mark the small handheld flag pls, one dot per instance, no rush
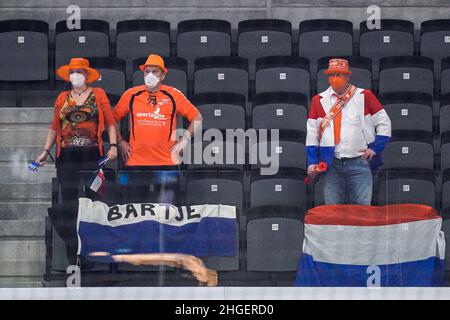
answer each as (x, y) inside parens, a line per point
(34, 166)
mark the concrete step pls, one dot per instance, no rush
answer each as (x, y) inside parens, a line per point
(26, 116)
(25, 191)
(24, 268)
(21, 228)
(22, 137)
(22, 250)
(19, 172)
(18, 154)
(20, 282)
(35, 211)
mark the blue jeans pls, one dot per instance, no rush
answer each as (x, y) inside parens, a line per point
(348, 181)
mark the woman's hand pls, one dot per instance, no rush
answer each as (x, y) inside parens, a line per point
(42, 158)
(125, 150)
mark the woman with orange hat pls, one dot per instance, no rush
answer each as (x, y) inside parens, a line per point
(80, 117)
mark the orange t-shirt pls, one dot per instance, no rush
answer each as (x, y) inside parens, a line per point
(153, 119)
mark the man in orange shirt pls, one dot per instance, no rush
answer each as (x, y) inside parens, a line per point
(153, 110)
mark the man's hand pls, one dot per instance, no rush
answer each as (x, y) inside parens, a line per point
(368, 154)
(177, 149)
(312, 171)
(125, 150)
(112, 153)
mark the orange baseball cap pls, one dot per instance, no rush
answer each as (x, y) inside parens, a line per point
(78, 63)
(154, 60)
(338, 66)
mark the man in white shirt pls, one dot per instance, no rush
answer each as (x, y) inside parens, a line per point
(348, 129)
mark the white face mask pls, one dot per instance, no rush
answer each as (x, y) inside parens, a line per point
(151, 80)
(77, 79)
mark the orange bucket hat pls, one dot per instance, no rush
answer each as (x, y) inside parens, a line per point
(338, 66)
(154, 60)
(78, 63)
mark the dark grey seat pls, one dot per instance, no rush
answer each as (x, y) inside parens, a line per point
(435, 41)
(291, 155)
(280, 110)
(445, 76)
(112, 74)
(409, 111)
(23, 50)
(215, 190)
(222, 110)
(263, 37)
(203, 38)
(361, 68)
(408, 155)
(215, 155)
(92, 40)
(139, 38)
(274, 244)
(396, 191)
(278, 191)
(445, 154)
(175, 77)
(408, 74)
(394, 38)
(221, 74)
(282, 74)
(324, 37)
(444, 114)
(210, 188)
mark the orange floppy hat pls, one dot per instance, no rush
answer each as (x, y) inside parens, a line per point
(338, 66)
(78, 63)
(154, 60)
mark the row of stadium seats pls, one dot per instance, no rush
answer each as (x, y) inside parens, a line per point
(270, 233)
(29, 47)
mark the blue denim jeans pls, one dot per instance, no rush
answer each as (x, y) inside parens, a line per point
(348, 181)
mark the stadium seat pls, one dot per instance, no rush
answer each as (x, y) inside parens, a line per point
(444, 114)
(217, 188)
(435, 41)
(214, 189)
(394, 38)
(139, 38)
(274, 244)
(92, 40)
(221, 74)
(324, 37)
(409, 111)
(361, 68)
(176, 77)
(445, 155)
(445, 76)
(287, 190)
(112, 74)
(396, 191)
(24, 50)
(291, 155)
(203, 38)
(282, 73)
(280, 110)
(263, 37)
(411, 156)
(408, 74)
(221, 110)
(216, 155)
